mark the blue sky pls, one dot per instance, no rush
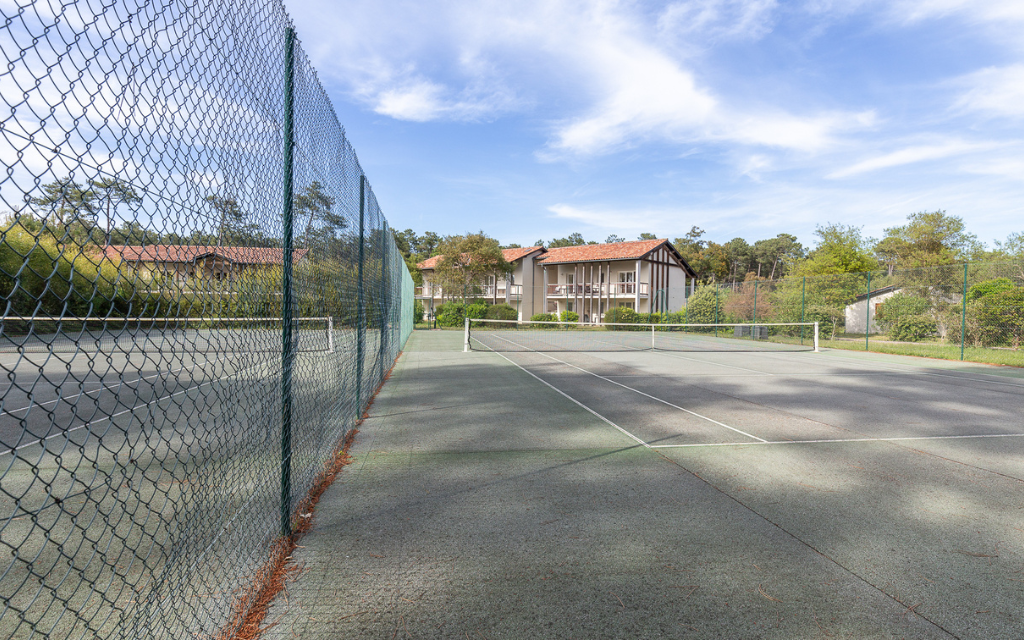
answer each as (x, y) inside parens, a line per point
(746, 118)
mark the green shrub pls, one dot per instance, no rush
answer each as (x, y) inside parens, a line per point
(502, 312)
(58, 279)
(902, 317)
(995, 316)
(569, 316)
(912, 328)
(621, 315)
(417, 311)
(702, 305)
(1001, 318)
(989, 287)
(543, 317)
(451, 314)
(476, 310)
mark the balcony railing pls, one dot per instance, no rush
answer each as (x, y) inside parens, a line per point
(476, 291)
(611, 289)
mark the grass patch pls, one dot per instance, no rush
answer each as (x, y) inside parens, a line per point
(1007, 357)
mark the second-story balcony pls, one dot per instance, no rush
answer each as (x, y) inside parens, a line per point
(604, 289)
(499, 291)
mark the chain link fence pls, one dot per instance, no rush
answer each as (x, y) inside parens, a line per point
(200, 297)
(950, 311)
(972, 311)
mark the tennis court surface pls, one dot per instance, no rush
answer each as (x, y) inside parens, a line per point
(653, 494)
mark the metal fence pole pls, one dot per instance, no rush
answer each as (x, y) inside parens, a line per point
(963, 315)
(755, 303)
(803, 307)
(360, 312)
(867, 318)
(716, 310)
(287, 355)
(382, 350)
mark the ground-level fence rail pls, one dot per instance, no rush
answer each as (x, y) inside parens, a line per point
(199, 295)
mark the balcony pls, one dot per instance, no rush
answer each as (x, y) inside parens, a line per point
(605, 289)
(515, 292)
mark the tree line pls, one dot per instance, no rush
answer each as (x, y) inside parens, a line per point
(927, 239)
(93, 213)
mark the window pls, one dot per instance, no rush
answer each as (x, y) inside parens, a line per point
(627, 276)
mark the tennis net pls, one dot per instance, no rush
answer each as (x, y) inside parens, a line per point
(23, 334)
(503, 335)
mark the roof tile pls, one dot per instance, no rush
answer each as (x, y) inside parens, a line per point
(190, 253)
(601, 252)
(511, 255)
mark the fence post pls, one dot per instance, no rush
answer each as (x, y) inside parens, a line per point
(755, 305)
(287, 355)
(803, 306)
(716, 309)
(360, 307)
(963, 315)
(867, 317)
(383, 300)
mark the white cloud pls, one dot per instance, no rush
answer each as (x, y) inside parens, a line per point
(1012, 168)
(710, 20)
(644, 94)
(419, 102)
(975, 10)
(628, 221)
(611, 68)
(997, 91)
(910, 155)
(910, 11)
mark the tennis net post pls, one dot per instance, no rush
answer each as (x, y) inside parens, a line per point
(465, 346)
(816, 349)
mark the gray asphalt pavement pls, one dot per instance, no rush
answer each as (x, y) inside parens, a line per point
(655, 495)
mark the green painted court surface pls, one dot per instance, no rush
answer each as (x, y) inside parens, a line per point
(689, 495)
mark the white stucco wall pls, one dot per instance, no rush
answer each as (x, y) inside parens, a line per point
(856, 313)
(677, 283)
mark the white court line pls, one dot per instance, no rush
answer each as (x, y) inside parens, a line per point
(121, 413)
(647, 395)
(110, 386)
(574, 400)
(828, 440)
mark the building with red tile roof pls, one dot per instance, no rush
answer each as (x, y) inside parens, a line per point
(644, 275)
(602, 252)
(511, 256)
(506, 288)
(182, 262)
